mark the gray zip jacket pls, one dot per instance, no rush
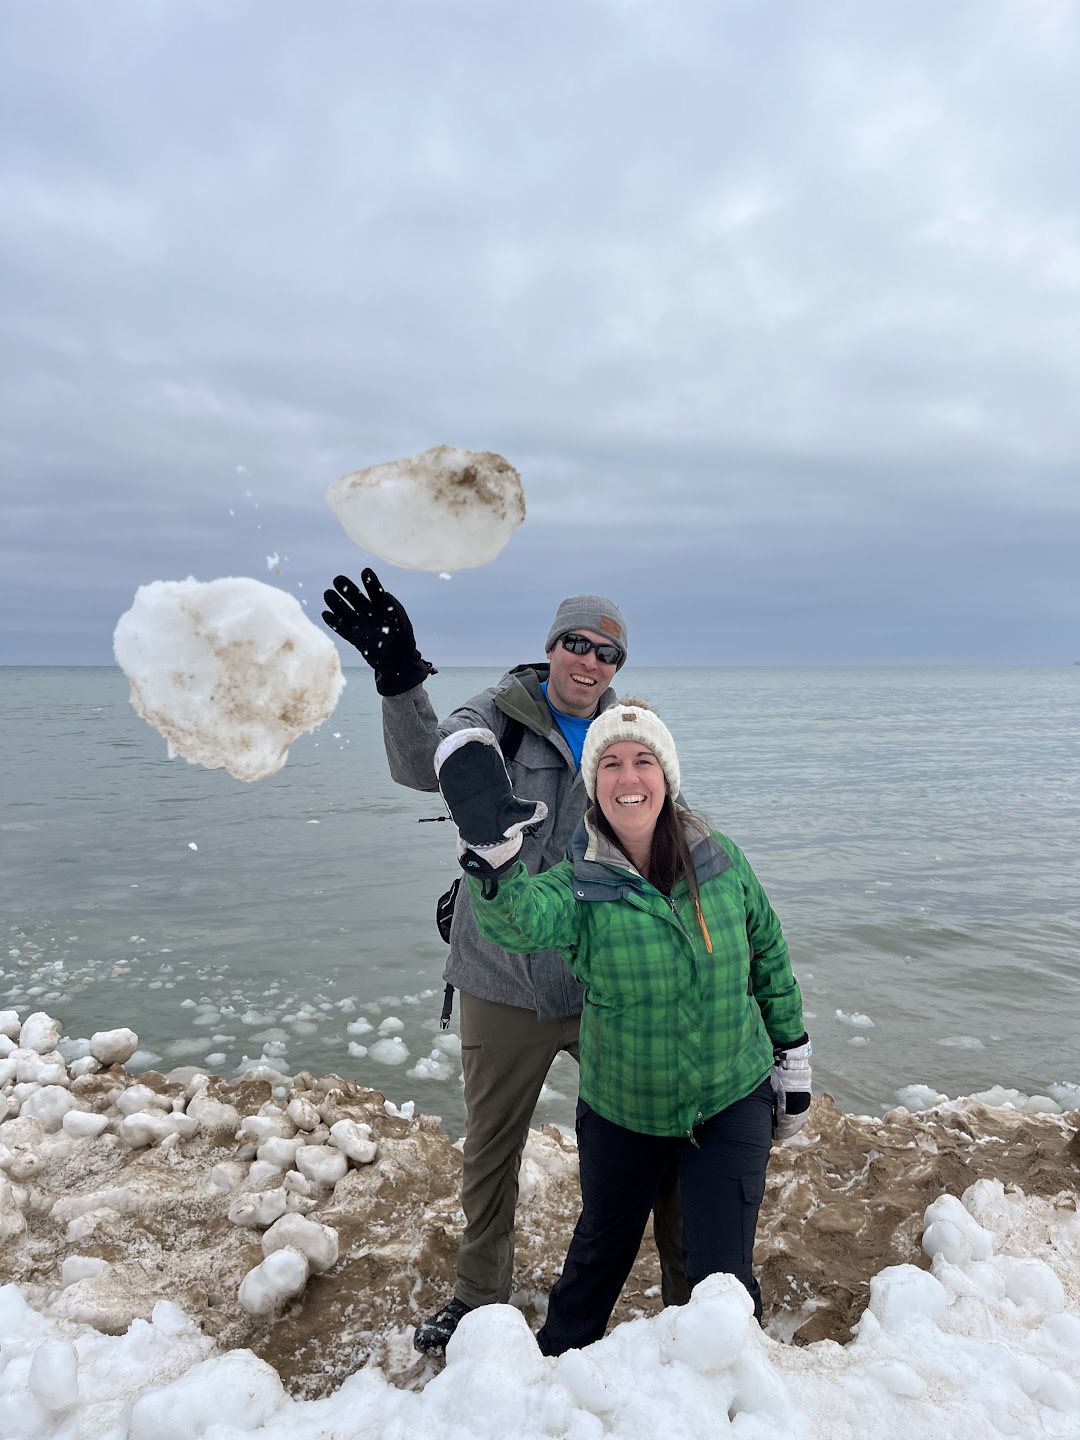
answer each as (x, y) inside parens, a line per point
(542, 769)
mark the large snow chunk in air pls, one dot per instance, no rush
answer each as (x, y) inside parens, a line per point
(444, 510)
(229, 671)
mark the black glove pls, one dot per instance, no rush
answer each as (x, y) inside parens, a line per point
(477, 790)
(482, 804)
(377, 624)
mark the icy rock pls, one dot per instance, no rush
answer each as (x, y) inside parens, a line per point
(261, 1174)
(7, 1045)
(391, 1025)
(710, 1332)
(269, 1287)
(8, 1069)
(297, 1184)
(10, 1024)
(213, 1116)
(321, 1164)
(954, 1234)
(49, 1105)
(82, 1267)
(12, 1219)
(261, 1209)
(444, 510)
(297, 1204)
(139, 1098)
(257, 1128)
(229, 672)
(86, 1066)
(354, 1141)
(54, 1375)
(39, 1032)
(113, 1047)
(279, 1152)
(232, 1392)
(145, 1128)
(303, 1114)
(23, 1417)
(227, 1175)
(904, 1295)
(491, 1361)
(318, 1243)
(43, 1069)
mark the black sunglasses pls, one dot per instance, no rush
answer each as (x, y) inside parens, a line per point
(581, 645)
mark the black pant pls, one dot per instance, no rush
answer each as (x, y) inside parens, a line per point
(721, 1182)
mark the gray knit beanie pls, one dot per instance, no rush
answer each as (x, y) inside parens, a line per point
(589, 612)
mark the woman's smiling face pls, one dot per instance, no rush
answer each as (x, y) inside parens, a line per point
(630, 790)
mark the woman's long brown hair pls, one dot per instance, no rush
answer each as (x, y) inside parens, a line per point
(669, 859)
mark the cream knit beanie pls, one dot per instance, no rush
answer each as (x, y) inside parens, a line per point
(629, 720)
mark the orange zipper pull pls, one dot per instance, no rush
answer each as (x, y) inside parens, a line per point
(704, 927)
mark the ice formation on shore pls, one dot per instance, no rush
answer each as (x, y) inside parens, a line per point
(444, 510)
(213, 1227)
(229, 671)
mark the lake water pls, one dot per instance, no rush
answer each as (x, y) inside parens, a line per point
(916, 829)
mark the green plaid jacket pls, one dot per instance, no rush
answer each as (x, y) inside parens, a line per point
(670, 1034)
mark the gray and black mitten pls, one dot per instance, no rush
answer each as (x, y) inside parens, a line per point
(489, 816)
(791, 1087)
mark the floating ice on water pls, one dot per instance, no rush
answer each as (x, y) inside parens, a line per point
(230, 672)
(444, 510)
(854, 1018)
(962, 1042)
(391, 1025)
(390, 1051)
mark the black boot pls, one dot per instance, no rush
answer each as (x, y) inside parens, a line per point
(435, 1331)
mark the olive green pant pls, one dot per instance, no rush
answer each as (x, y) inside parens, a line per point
(506, 1053)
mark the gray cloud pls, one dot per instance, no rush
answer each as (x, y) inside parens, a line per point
(776, 309)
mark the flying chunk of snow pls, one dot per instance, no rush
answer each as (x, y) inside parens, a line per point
(192, 845)
(272, 561)
(230, 672)
(444, 510)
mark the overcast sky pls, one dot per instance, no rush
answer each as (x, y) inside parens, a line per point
(776, 307)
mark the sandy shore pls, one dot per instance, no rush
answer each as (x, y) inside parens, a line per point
(150, 1200)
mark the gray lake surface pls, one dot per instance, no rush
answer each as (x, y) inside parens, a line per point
(916, 829)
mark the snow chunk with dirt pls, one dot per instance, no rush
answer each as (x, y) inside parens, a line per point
(229, 671)
(444, 510)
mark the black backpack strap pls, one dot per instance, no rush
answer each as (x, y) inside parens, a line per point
(510, 741)
(447, 1008)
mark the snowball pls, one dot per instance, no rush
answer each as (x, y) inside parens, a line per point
(391, 1025)
(920, 1097)
(258, 1128)
(54, 1374)
(230, 672)
(139, 1097)
(710, 1332)
(953, 1233)
(357, 1051)
(390, 1051)
(114, 1047)
(318, 1243)
(213, 1115)
(50, 1104)
(444, 510)
(39, 1032)
(321, 1164)
(232, 1390)
(903, 1295)
(10, 1024)
(279, 1152)
(270, 1286)
(354, 1140)
(303, 1114)
(431, 1067)
(261, 1209)
(359, 1026)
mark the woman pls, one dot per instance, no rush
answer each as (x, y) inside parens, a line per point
(692, 1040)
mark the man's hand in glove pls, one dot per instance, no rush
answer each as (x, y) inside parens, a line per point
(791, 1087)
(482, 804)
(376, 623)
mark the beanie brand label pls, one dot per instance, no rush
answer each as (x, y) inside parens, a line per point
(610, 626)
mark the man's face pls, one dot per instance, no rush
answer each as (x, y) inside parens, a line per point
(576, 682)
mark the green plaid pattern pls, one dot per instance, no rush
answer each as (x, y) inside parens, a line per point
(670, 1034)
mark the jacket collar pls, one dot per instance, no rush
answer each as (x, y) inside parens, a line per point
(598, 864)
(518, 695)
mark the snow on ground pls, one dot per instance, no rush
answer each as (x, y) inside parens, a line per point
(230, 671)
(444, 510)
(187, 1256)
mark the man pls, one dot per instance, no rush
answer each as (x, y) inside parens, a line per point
(517, 1012)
